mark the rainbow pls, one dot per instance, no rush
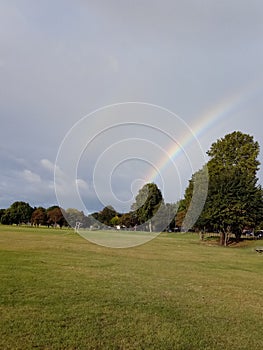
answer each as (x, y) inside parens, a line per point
(202, 125)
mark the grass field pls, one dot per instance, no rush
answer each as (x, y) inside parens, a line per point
(58, 291)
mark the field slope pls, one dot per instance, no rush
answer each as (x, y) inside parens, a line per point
(58, 291)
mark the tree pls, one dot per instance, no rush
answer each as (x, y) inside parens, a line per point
(105, 215)
(190, 207)
(39, 217)
(128, 219)
(147, 202)
(235, 150)
(56, 217)
(234, 197)
(6, 217)
(234, 202)
(88, 221)
(74, 216)
(2, 213)
(180, 215)
(164, 219)
(17, 213)
(115, 221)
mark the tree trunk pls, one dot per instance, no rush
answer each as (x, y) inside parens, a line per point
(238, 236)
(222, 237)
(226, 238)
(227, 235)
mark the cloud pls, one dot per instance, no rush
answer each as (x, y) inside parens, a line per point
(31, 177)
(82, 184)
(47, 164)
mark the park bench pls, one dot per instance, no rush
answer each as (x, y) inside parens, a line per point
(259, 250)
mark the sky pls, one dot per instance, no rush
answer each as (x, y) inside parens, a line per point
(100, 97)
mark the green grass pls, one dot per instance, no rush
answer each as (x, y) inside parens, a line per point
(59, 291)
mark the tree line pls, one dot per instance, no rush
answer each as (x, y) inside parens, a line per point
(148, 201)
(22, 213)
(234, 199)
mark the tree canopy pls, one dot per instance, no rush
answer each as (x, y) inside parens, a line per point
(105, 215)
(39, 216)
(18, 213)
(147, 202)
(234, 199)
(235, 150)
(56, 216)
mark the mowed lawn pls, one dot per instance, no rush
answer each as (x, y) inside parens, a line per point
(59, 291)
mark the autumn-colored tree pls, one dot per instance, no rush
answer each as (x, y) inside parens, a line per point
(128, 219)
(55, 217)
(39, 216)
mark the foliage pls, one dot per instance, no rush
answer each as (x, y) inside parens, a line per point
(39, 216)
(194, 200)
(56, 216)
(234, 198)
(128, 219)
(115, 221)
(164, 219)
(105, 215)
(235, 150)
(5, 218)
(181, 212)
(19, 212)
(74, 216)
(2, 212)
(147, 202)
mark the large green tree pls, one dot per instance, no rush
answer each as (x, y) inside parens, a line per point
(234, 197)
(19, 212)
(235, 150)
(147, 203)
